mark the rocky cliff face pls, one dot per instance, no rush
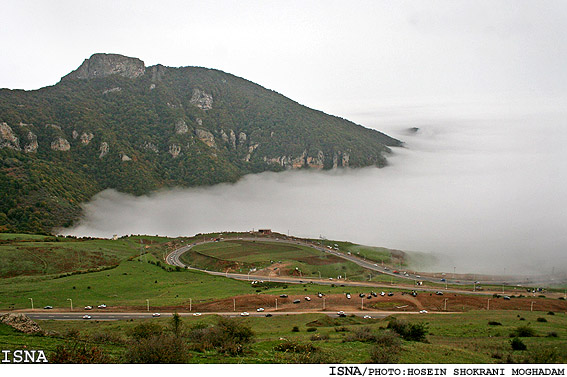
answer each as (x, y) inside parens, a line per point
(102, 65)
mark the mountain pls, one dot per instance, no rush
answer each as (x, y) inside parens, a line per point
(115, 123)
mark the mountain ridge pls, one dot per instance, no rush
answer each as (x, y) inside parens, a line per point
(115, 123)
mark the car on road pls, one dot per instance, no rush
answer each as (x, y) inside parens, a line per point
(88, 307)
(260, 309)
(156, 315)
(423, 311)
(244, 314)
(48, 307)
(196, 314)
(341, 314)
(86, 316)
(367, 316)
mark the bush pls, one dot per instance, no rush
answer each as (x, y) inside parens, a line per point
(75, 353)
(523, 332)
(552, 334)
(517, 344)
(157, 349)
(295, 329)
(550, 313)
(145, 330)
(229, 336)
(541, 355)
(387, 349)
(316, 337)
(311, 329)
(541, 319)
(409, 331)
(361, 334)
(494, 323)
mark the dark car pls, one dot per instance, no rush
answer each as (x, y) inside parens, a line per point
(268, 315)
(284, 295)
(296, 301)
(390, 294)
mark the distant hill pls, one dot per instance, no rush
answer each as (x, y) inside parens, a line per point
(115, 123)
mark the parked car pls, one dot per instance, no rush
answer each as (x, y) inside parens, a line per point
(284, 295)
(439, 293)
(48, 307)
(296, 301)
(268, 315)
(307, 298)
(260, 309)
(348, 296)
(102, 306)
(88, 307)
(156, 315)
(390, 294)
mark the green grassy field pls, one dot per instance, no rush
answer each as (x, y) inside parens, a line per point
(452, 338)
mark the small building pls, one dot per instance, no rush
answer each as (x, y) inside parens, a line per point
(265, 231)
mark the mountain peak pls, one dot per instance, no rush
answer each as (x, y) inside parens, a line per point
(102, 65)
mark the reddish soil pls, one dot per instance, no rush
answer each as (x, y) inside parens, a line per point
(398, 302)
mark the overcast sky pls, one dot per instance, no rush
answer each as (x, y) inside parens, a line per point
(330, 55)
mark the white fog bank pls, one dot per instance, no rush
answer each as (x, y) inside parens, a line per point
(488, 193)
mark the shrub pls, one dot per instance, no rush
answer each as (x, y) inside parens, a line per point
(541, 319)
(145, 330)
(387, 349)
(494, 323)
(552, 334)
(75, 353)
(409, 331)
(517, 344)
(311, 329)
(523, 332)
(316, 337)
(550, 313)
(541, 355)
(361, 334)
(227, 336)
(157, 349)
(295, 329)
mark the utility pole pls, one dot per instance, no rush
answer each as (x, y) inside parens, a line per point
(190, 304)
(234, 304)
(71, 303)
(148, 304)
(532, 307)
(445, 305)
(31, 302)
(488, 305)
(276, 304)
(362, 304)
(323, 303)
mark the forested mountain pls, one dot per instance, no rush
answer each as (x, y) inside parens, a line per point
(114, 123)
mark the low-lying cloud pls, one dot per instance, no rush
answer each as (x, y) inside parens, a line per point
(484, 193)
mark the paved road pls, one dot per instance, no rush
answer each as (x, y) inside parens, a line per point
(173, 259)
(110, 316)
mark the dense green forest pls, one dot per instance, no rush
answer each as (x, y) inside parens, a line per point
(164, 127)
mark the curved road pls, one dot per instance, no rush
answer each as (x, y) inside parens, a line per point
(173, 259)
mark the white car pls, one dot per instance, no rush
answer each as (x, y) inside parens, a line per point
(308, 298)
(156, 315)
(196, 314)
(423, 311)
(348, 296)
(88, 307)
(244, 314)
(382, 294)
(102, 306)
(260, 309)
(367, 316)
(86, 316)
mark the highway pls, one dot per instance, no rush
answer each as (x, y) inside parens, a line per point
(112, 316)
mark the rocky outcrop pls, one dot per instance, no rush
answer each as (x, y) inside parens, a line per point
(60, 144)
(316, 162)
(174, 150)
(31, 147)
(86, 138)
(54, 126)
(21, 322)
(233, 139)
(103, 149)
(206, 137)
(199, 121)
(241, 138)
(102, 65)
(251, 150)
(125, 157)
(181, 127)
(201, 99)
(75, 134)
(158, 71)
(151, 147)
(224, 136)
(8, 138)
(112, 90)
